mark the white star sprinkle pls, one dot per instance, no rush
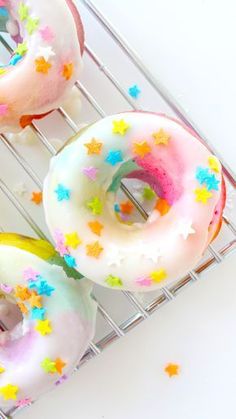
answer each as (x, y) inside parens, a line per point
(45, 52)
(184, 228)
(20, 189)
(115, 256)
(149, 252)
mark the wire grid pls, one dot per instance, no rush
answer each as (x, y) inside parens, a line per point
(216, 254)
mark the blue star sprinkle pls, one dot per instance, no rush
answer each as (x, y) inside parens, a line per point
(212, 183)
(134, 91)
(116, 207)
(63, 194)
(15, 59)
(38, 313)
(4, 12)
(114, 157)
(42, 287)
(202, 174)
(70, 261)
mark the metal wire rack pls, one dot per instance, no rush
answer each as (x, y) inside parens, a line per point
(134, 308)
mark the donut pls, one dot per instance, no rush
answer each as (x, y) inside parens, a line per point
(46, 62)
(81, 187)
(51, 322)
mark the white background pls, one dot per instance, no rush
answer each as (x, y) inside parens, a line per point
(190, 46)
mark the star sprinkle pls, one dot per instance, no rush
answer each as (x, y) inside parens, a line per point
(61, 380)
(30, 274)
(120, 127)
(9, 392)
(202, 195)
(184, 228)
(95, 205)
(20, 189)
(15, 59)
(42, 66)
(68, 70)
(7, 289)
(3, 109)
(45, 52)
(23, 11)
(2, 369)
(126, 207)
(212, 183)
(21, 49)
(158, 276)
(48, 366)
(35, 301)
(148, 193)
(214, 164)
(90, 172)
(114, 157)
(22, 293)
(94, 147)
(134, 91)
(2, 71)
(37, 198)
(70, 261)
(47, 34)
(94, 249)
(24, 402)
(96, 227)
(23, 308)
(38, 313)
(141, 149)
(115, 256)
(161, 137)
(114, 281)
(144, 282)
(72, 240)
(162, 206)
(172, 369)
(59, 364)
(202, 174)
(42, 287)
(152, 253)
(43, 327)
(63, 193)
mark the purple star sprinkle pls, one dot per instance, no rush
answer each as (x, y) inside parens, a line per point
(30, 274)
(6, 288)
(61, 380)
(90, 172)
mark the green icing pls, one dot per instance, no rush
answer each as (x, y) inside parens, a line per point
(123, 171)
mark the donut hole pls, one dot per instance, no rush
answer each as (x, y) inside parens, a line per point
(10, 315)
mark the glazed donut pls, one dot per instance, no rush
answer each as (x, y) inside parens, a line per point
(57, 320)
(46, 62)
(81, 187)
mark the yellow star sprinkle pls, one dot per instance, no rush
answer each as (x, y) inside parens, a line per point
(214, 164)
(73, 240)
(95, 205)
(2, 71)
(158, 276)
(141, 149)
(23, 11)
(120, 127)
(202, 195)
(32, 25)
(9, 392)
(94, 249)
(21, 49)
(94, 147)
(161, 137)
(172, 369)
(2, 369)
(43, 327)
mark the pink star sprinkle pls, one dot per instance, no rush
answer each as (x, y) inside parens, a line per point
(24, 402)
(6, 288)
(47, 34)
(144, 282)
(3, 109)
(90, 172)
(30, 274)
(61, 249)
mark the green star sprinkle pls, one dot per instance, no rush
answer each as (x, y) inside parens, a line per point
(114, 281)
(23, 11)
(95, 205)
(31, 25)
(148, 193)
(48, 365)
(21, 49)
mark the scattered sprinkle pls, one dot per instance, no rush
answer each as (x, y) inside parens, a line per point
(184, 228)
(63, 193)
(94, 249)
(30, 274)
(31, 25)
(126, 207)
(172, 369)
(9, 392)
(43, 327)
(161, 137)
(96, 227)
(61, 380)
(42, 66)
(59, 364)
(38, 313)
(95, 205)
(35, 300)
(70, 261)
(114, 157)
(120, 127)
(49, 366)
(162, 206)
(148, 193)
(144, 282)
(94, 146)
(72, 240)
(158, 276)
(24, 402)
(21, 49)
(134, 91)
(37, 197)
(23, 11)
(202, 195)
(47, 34)
(141, 149)
(214, 164)
(90, 172)
(2, 369)
(68, 70)
(22, 293)
(114, 281)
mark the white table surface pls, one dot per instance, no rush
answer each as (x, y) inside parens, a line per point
(190, 46)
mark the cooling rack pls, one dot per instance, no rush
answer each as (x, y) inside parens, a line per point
(102, 91)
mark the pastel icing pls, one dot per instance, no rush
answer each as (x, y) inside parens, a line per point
(58, 322)
(182, 172)
(46, 61)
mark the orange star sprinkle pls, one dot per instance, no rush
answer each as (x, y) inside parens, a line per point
(35, 300)
(94, 147)
(162, 206)
(42, 66)
(59, 364)
(126, 207)
(23, 308)
(172, 369)
(68, 70)
(161, 137)
(96, 227)
(141, 149)
(37, 197)
(22, 293)
(94, 249)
